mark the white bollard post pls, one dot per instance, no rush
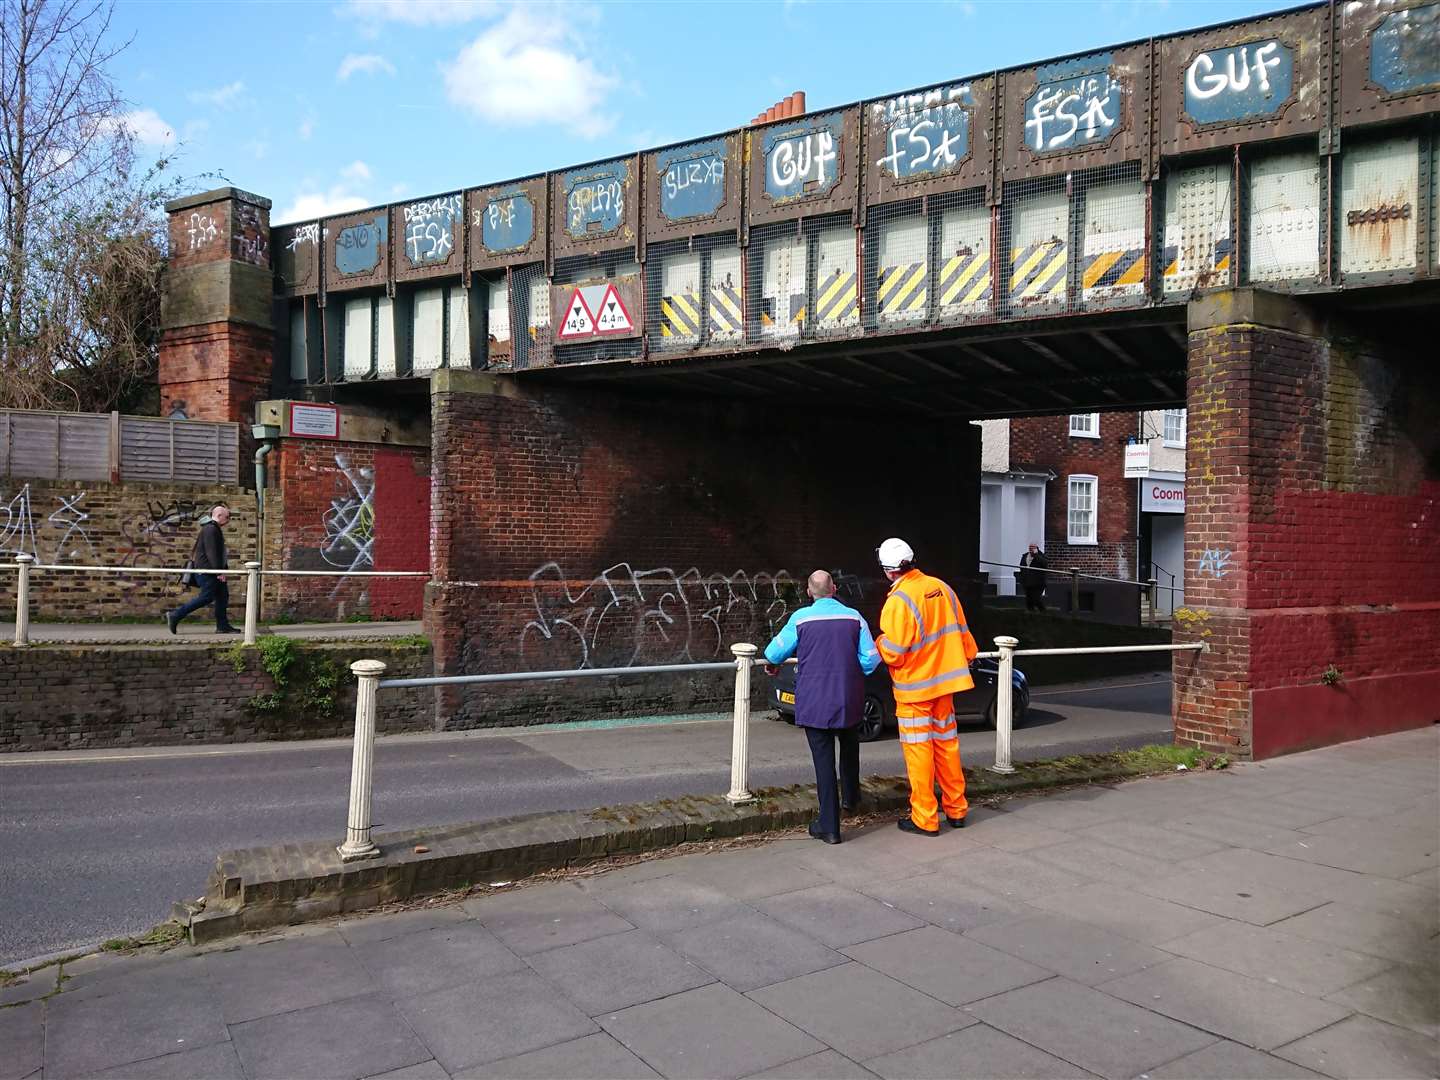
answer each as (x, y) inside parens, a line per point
(358, 844)
(22, 600)
(1004, 703)
(252, 600)
(740, 745)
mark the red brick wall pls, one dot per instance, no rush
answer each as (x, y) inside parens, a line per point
(581, 527)
(352, 506)
(1313, 518)
(219, 370)
(1038, 443)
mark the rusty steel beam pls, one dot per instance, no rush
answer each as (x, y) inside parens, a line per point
(824, 372)
(1113, 348)
(1049, 354)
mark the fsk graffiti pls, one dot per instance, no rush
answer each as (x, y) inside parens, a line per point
(924, 133)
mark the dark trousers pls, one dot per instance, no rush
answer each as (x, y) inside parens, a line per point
(1034, 597)
(822, 750)
(212, 591)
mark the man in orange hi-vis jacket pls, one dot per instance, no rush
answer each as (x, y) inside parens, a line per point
(928, 645)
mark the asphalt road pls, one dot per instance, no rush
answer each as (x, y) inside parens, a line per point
(98, 844)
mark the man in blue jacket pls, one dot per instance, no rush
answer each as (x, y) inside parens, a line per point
(836, 652)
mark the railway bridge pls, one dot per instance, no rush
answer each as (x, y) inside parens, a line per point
(759, 351)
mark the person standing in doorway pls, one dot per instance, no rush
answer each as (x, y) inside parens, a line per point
(836, 652)
(927, 643)
(1032, 578)
(208, 554)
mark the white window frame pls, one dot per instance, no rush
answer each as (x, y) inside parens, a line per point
(1090, 428)
(1092, 538)
(1165, 439)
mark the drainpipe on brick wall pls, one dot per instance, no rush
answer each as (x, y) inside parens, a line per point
(266, 434)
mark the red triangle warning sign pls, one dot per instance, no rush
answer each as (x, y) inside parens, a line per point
(578, 321)
(613, 318)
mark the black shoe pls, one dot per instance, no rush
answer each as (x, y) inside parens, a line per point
(849, 807)
(905, 824)
(228, 630)
(825, 837)
(170, 621)
(956, 822)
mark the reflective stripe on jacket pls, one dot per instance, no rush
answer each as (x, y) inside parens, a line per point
(925, 639)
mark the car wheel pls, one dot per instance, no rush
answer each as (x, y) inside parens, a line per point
(1017, 714)
(872, 721)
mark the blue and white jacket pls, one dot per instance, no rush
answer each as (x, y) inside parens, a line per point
(836, 652)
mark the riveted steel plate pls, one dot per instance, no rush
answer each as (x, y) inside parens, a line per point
(508, 223)
(1075, 114)
(1262, 79)
(356, 249)
(429, 237)
(802, 166)
(693, 189)
(1389, 60)
(930, 140)
(295, 253)
(596, 208)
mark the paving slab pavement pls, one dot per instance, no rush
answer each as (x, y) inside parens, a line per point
(1137, 930)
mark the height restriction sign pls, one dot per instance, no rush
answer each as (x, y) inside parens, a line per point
(578, 322)
(595, 309)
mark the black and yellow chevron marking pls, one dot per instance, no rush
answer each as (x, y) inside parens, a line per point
(1112, 268)
(965, 279)
(726, 311)
(797, 309)
(900, 290)
(1170, 257)
(1037, 272)
(680, 315)
(837, 299)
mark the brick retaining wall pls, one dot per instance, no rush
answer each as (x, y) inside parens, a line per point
(57, 698)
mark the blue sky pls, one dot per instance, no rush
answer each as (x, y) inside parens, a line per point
(334, 105)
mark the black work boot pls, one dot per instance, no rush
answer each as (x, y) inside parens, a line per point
(908, 825)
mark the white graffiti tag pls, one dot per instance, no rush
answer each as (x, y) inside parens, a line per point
(72, 519)
(428, 227)
(804, 159)
(202, 230)
(17, 527)
(625, 617)
(350, 521)
(1072, 113)
(1215, 562)
(1202, 81)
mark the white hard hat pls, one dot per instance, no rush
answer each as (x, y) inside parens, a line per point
(894, 553)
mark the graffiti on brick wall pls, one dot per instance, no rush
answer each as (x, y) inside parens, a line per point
(350, 520)
(201, 230)
(627, 617)
(1214, 562)
(63, 535)
(252, 242)
(159, 534)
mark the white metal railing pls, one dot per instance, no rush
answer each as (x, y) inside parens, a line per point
(1151, 586)
(358, 843)
(25, 565)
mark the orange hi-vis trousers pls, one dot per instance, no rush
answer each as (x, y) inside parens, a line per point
(931, 744)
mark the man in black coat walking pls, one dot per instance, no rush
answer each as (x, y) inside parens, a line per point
(1032, 578)
(209, 554)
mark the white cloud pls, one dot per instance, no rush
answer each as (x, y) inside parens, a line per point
(422, 12)
(309, 205)
(364, 63)
(259, 147)
(526, 70)
(222, 97)
(356, 171)
(306, 129)
(146, 127)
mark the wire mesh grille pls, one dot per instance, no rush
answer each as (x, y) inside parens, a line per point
(694, 294)
(493, 297)
(930, 265)
(1112, 251)
(1035, 245)
(1379, 201)
(805, 280)
(531, 342)
(1196, 244)
(616, 267)
(1282, 198)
